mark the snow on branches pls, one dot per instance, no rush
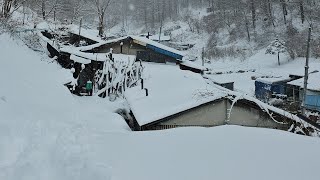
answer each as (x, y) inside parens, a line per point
(116, 76)
(276, 47)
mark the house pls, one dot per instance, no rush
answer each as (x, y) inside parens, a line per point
(143, 48)
(178, 98)
(312, 93)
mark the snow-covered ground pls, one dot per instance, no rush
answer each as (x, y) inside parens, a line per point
(263, 65)
(46, 133)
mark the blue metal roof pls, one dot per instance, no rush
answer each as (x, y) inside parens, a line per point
(164, 52)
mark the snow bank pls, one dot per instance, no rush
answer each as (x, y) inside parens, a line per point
(41, 123)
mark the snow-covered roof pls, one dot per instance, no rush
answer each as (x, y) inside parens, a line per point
(272, 80)
(193, 65)
(90, 47)
(156, 44)
(313, 82)
(85, 58)
(140, 40)
(87, 33)
(80, 59)
(170, 91)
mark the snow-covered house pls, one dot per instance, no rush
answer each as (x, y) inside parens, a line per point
(313, 91)
(173, 98)
(145, 49)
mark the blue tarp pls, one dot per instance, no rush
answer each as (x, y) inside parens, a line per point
(313, 102)
(263, 91)
(165, 52)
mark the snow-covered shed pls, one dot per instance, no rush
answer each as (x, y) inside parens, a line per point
(313, 91)
(178, 98)
(145, 49)
(266, 87)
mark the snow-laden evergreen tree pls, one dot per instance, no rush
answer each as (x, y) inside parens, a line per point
(276, 47)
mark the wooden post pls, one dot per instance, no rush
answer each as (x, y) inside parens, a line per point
(24, 13)
(147, 91)
(80, 30)
(121, 47)
(279, 58)
(142, 85)
(306, 74)
(160, 32)
(203, 56)
(54, 15)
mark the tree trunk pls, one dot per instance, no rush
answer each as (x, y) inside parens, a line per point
(101, 24)
(284, 10)
(145, 16)
(247, 28)
(153, 14)
(6, 7)
(278, 58)
(43, 9)
(302, 11)
(270, 12)
(253, 13)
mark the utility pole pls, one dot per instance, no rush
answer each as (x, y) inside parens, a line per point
(306, 75)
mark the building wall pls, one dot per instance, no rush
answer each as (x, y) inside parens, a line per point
(127, 48)
(313, 100)
(215, 114)
(246, 116)
(141, 52)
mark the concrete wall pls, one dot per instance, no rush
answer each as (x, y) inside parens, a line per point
(212, 114)
(215, 114)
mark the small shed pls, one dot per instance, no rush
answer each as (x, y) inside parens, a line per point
(266, 87)
(313, 92)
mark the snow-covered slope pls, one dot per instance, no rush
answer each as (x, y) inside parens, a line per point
(39, 118)
(46, 133)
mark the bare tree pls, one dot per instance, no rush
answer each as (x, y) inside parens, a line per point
(101, 7)
(9, 6)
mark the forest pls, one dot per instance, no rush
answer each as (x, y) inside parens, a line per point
(224, 22)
